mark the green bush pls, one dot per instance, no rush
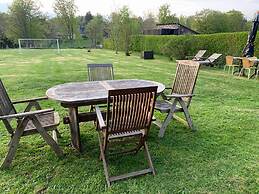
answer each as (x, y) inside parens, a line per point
(180, 46)
(77, 43)
(107, 43)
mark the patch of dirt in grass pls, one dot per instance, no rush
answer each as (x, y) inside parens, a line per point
(4, 64)
(11, 75)
(33, 61)
(58, 59)
(246, 110)
(12, 64)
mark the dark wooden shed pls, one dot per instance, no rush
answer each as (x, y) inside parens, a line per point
(170, 29)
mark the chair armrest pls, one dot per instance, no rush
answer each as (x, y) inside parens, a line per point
(100, 117)
(29, 100)
(22, 115)
(179, 95)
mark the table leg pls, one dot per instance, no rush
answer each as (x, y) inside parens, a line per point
(74, 128)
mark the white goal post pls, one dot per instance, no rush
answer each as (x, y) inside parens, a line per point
(30, 43)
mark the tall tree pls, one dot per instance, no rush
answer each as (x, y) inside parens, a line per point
(54, 28)
(236, 21)
(25, 20)
(66, 11)
(149, 22)
(122, 27)
(210, 21)
(3, 24)
(88, 17)
(95, 29)
(83, 21)
(125, 29)
(165, 16)
(115, 30)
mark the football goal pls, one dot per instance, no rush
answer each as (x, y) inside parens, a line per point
(39, 44)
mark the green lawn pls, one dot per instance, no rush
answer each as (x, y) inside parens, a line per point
(221, 157)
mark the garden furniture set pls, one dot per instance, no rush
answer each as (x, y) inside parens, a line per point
(242, 64)
(125, 119)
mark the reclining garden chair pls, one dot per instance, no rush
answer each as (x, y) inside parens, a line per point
(180, 96)
(128, 117)
(198, 56)
(27, 123)
(99, 72)
(211, 60)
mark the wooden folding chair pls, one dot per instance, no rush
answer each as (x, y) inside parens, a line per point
(180, 96)
(248, 65)
(230, 64)
(27, 123)
(99, 72)
(128, 117)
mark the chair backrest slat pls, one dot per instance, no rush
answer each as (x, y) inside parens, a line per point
(185, 78)
(214, 57)
(99, 72)
(130, 109)
(6, 106)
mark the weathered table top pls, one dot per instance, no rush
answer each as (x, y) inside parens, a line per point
(87, 93)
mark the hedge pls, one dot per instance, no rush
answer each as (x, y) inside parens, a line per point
(180, 46)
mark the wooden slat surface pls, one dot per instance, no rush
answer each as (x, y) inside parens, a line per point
(93, 92)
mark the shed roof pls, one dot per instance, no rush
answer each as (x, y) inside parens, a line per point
(173, 26)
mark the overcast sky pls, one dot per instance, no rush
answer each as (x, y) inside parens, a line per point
(142, 7)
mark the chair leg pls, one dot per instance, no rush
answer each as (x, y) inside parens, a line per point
(186, 113)
(140, 144)
(58, 133)
(105, 166)
(150, 163)
(233, 70)
(241, 72)
(46, 136)
(12, 150)
(14, 143)
(167, 119)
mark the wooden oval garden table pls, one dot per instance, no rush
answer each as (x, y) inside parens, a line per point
(76, 94)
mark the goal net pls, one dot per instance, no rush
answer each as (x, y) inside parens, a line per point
(39, 44)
